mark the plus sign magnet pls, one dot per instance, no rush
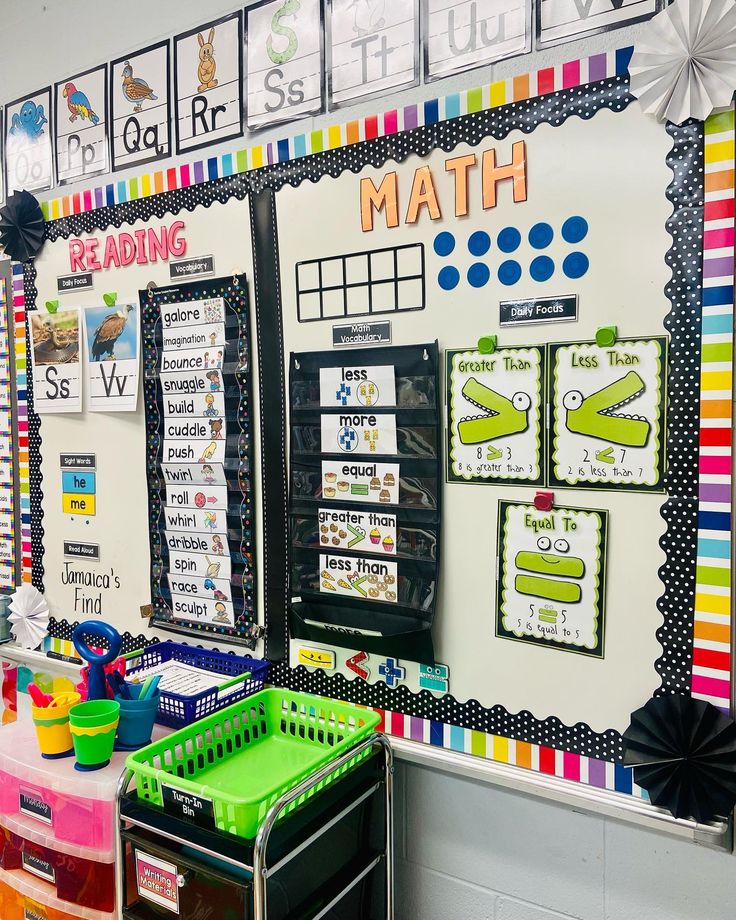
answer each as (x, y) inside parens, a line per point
(391, 672)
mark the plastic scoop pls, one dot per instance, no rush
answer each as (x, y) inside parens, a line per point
(40, 699)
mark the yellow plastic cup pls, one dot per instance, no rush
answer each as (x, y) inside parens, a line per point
(52, 725)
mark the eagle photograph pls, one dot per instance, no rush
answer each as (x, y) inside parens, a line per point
(112, 333)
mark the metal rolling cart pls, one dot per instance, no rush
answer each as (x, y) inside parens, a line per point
(331, 857)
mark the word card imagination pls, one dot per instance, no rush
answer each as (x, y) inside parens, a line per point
(496, 416)
(80, 119)
(608, 414)
(57, 361)
(112, 343)
(373, 48)
(551, 577)
(284, 61)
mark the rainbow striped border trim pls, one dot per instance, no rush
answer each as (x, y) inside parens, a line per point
(712, 634)
(514, 89)
(24, 485)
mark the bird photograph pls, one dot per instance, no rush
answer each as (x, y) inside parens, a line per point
(55, 337)
(79, 105)
(115, 334)
(135, 89)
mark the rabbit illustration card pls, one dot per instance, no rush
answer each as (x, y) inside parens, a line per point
(140, 108)
(208, 83)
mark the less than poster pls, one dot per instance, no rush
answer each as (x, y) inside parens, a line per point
(551, 576)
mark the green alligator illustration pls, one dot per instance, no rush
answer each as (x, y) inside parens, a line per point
(595, 415)
(505, 416)
(546, 564)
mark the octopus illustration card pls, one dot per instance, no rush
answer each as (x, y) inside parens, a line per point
(112, 344)
(608, 414)
(28, 160)
(496, 416)
(551, 577)
(80, 125)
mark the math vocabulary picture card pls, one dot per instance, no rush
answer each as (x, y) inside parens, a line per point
(496, 415)
(56, 356)
(80, 125)
(357, 386)
(28, 159)
(366, 531)
(352, 576)
(359, 433)
(112, 344)
(551, 577)
(208, 83)
(361, 482)
(284, 57)
(608, 414)
(464, 34)
(140, 107)
(374, 48)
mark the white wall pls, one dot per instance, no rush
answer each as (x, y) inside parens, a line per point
(466, 851)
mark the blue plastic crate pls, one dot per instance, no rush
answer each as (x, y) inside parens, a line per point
(178, 710)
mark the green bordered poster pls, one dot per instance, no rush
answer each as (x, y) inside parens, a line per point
(551, 577)
(608, 414)
(496, 416)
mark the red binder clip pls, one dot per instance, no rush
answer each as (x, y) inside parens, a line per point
(543, 501)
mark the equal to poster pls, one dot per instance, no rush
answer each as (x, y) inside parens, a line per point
(112, 345)
(284, 61)
(192, 458)
(28, 160)
(496, 416)
(57, 361)
(81, 125)
(551, 576)
(208, 83)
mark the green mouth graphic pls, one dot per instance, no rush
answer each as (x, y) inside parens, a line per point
(505, 416)
(594, 415)
(565, 592)
(605, 456)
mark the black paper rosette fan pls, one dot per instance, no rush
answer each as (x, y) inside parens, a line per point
(683, 752)
(21, 226)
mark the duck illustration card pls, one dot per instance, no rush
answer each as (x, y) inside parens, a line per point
(551, 570)
(112, 345)
(80, 125)
(284, 61)
(496, 416)
(28, 159)
(140, 109)
(374, 48)
(608, 419)
(367, 531)
(208, 83)
(57, 362)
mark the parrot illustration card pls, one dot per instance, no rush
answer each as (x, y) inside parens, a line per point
(373, 46)
(551, 570)
(284, 61)
(112, 345)
(28, 159)
(140, 109)
(496, 416)
(57, 362)
(608, 414)
(208, 83)
(80, 125)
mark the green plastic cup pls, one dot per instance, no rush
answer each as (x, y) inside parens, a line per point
(93, 726)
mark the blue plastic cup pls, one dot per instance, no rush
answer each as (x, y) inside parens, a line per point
(137, 718)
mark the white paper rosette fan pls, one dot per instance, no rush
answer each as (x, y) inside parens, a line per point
(29, 616)
(685, 64)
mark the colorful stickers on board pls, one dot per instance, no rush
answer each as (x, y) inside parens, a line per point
(7, 492)
(551, 576)
(56, 356)
(192, 456)
(559, 415)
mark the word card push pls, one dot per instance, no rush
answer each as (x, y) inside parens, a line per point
(197, 407)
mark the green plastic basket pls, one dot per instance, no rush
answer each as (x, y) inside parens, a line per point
(245, 756)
